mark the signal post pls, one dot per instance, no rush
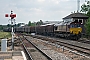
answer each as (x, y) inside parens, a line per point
(12, 16)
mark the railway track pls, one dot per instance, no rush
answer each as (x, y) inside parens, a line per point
(78, 49)
(32, 51)
(80, 40)
(84, 41)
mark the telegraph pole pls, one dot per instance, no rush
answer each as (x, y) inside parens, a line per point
(78, 5)
(12, 24)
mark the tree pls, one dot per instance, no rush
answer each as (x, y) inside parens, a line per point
(88, 13)
(8, 25)
(1, 27)
(18, 24)
(86, 8)
(39, 22)
(87, 25)
(29, 23)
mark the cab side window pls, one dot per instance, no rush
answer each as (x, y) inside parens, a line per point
(71, 26)
(78, 25)
(55, 27)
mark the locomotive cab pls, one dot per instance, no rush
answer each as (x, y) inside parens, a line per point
(75, 28)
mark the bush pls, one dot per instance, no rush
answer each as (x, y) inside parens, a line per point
(87, 26)
(5, 35)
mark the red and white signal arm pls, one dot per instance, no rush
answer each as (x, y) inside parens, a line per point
(6, 15)
(12, 15)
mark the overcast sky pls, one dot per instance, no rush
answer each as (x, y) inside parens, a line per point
(35, 10)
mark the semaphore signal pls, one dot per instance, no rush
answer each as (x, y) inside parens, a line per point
(11, 15)
(12, 23)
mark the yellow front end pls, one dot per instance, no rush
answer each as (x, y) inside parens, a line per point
(75, 30)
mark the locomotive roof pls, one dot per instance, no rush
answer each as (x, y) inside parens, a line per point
(46, 24)
(62, 23)
(42, 25)
(76, 15)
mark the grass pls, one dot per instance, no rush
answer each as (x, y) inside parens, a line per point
(5, 35)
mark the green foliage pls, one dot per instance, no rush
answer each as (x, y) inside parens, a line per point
(1, 27)
(35, 23)
(39, 22)
(18, 24)
(5, 35)
(86, 8)
(29, 23)
(87, 26)
(88, 13)
(8, 25)
(32, 24)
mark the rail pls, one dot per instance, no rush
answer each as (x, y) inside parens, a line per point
(39, 49)
(26, 51)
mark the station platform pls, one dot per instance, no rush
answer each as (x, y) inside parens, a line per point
(11, 55)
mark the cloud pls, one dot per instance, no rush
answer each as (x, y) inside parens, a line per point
(34, 10)
(41, 0)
